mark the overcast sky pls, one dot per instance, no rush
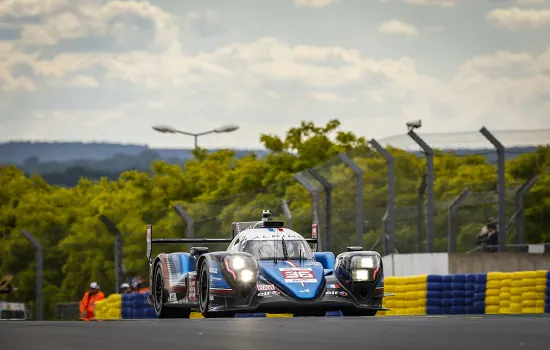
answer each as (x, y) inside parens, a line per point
(109, 70)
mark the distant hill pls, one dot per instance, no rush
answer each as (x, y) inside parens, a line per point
(64, 163)
(63, 152)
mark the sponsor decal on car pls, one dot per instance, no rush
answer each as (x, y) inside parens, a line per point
(331, 292)
(265, 287)
(298, 275)
(212, 278)
(173, 297)
(304, 291)
(213, 270)
(192, 295)
(264, 294)
(342, 293)
(334, 286)
(276, 292)
(211, 297)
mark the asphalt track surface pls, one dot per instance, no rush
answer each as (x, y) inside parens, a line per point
(321, 333)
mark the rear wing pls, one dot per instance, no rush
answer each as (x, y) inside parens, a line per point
(151, 241)
(237, 227)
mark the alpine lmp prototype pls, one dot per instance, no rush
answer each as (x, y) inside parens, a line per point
(266, 268)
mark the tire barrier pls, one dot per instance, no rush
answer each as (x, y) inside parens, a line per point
(516, 292)
(135, 306)
(524, 292)
(109, 308)
(410, 298)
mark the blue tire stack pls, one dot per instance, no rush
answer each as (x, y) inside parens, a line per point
(434, 295)
(547, 300)
(458, 294)
(127, 303)
(480, 285)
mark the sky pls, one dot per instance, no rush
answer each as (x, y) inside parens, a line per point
(93, 70)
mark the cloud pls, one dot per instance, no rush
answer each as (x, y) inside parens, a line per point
(398, 28)
(442, 3)
(262, 83)
(83, 81)
(529, 2)
(121, 23)
(313, 3)
(206, 22)
(515, 18)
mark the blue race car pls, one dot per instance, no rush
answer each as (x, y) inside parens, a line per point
(266, 268)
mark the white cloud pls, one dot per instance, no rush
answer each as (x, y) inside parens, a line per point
(83, 81)
(262, 83)
(114, 20)
(313, 3)
(529, 2)
(398, 28)
(443, 3)
(514, 18)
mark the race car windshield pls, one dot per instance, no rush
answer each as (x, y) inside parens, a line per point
(268, 250)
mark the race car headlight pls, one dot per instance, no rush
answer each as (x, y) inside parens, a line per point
(360, 275)
(246, 275)
(364, 262)
(238, 263)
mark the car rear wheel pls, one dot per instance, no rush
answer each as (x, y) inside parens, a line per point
(159, 298)
(204, 295)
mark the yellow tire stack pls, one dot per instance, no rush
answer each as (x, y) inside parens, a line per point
(495, 301)
(515, 293)
(101, 309)
(109, 308)
(410, 295)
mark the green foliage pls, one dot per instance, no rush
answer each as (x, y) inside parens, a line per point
(220, 187)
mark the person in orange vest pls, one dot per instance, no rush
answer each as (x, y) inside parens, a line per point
(87, 304)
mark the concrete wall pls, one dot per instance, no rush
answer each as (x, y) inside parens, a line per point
(503, 262)
(416, 264)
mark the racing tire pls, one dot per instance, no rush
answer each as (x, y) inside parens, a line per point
(159, 298)
(354, 312)
(204, 295)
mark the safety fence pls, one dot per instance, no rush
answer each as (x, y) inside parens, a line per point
(493, 293)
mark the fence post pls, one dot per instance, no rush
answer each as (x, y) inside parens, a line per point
(520, 213)
(188, 219)
(453, 206)
(420, 213)
(287, 212)
(39, 275)
(327, 187)
(118, 249)
(390, 218)
(430, 207)
(302, 179)
(359, 215)
(501, 187)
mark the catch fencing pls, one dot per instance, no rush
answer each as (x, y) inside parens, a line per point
(404, 194)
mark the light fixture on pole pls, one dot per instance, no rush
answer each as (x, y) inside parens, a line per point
(170, 130)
